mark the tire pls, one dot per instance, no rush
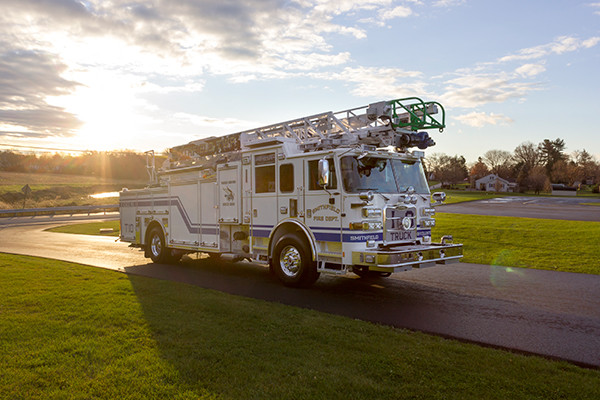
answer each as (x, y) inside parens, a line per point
(157, 248)
(292, 262)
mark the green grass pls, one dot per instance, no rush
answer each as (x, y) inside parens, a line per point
(459, 196)
(77, 332)
(524, 242)
(91, 228)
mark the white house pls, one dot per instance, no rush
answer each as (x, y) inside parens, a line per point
(493, 183)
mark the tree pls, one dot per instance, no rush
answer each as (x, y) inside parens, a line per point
(478, 171)
(498, 162)
(448, 170)
(525, 157)
(587, 169)
(551, 151)
(537, 179)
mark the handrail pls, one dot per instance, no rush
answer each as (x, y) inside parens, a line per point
(58, 210)
(417, 114)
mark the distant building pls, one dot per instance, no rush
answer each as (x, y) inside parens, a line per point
(493, 183)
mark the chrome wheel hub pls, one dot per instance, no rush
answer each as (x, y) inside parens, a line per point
(156, 245)
(290, 261)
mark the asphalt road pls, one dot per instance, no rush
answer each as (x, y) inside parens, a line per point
(567, 208)
(554, 314)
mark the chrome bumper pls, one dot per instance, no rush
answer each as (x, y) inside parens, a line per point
(404, 258)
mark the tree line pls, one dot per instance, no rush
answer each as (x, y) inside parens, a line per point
(111, 165)
(532, 167)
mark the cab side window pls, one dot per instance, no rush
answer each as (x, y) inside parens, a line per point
(313, 175)
(264, 172)
(286, 178)
(265, 179)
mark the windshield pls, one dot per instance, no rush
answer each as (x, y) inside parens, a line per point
(382, 175)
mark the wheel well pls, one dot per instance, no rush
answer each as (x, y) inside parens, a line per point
(152, 225)
(294, 228)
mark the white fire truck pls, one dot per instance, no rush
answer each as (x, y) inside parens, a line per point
(328, 193)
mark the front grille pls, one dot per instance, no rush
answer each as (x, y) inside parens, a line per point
(394, 230)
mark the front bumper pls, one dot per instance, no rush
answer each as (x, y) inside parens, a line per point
(404, 258)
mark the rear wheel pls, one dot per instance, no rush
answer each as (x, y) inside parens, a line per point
(158, 251)
(292, 262)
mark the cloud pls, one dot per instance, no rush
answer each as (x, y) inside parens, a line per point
(396, 12)
(160, 43)
(27, 79)
(529, 70)
(203, 121)
(379, 82)
(596, 6)
(494, 82)
(448, 3)
(480, 119)
(475, 90)
(561, 45)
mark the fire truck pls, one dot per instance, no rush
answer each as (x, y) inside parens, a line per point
(331, 193)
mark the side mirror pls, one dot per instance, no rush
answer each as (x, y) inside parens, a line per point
(439, 197)
(323, 173)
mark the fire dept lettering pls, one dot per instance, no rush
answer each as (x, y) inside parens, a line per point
(325, 218)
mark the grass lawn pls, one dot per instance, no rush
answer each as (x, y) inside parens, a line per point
(77, 332)
(91, 228)
(459, 196)
(524, 242)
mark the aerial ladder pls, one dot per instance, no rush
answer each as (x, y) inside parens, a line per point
(387, 123)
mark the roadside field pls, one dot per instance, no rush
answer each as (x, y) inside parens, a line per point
(91, 228)
(56, 190)
(72, 331)
(559, 245)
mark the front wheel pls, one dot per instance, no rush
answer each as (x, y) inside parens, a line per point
(292, 262)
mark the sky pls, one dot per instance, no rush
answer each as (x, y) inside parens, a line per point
(149, 75)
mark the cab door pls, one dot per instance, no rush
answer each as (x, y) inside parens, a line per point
(290, 189)
(264, 199)
(323, 207)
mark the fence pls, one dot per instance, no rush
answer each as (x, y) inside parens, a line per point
(24, 212)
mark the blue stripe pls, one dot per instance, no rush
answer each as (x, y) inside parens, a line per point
(265, 233)
(194, 228)
(362, 237)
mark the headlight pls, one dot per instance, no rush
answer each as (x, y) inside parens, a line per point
(428, 222)
(371, 212)
(372, 226)
(366, 225)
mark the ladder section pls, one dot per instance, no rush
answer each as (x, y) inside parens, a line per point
(379, 124)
